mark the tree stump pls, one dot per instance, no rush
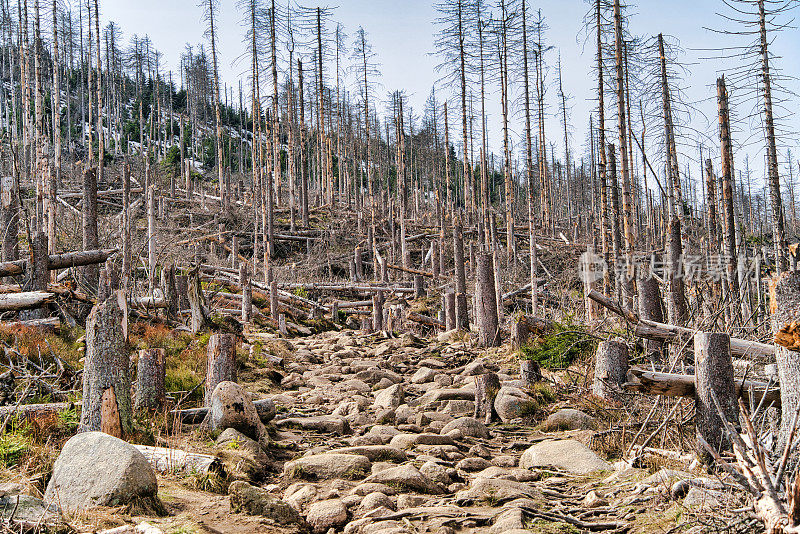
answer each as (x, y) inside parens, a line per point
(105, 366)
(450, 311)
(221, 362)
(282, 325)
(377, 311)
(435, 259)
(713, 372)
(182, 291)
(359, 262)
(610, 369)
(520, 333)
(785, 309)
(486, 387)
(486, 300)
(168, 286)
(197, 302)
(529, 372)
(273, 299)
(150, 373)
(651, 307)
(37, 274)
(462, 316)
(419, 286)
(335, 311)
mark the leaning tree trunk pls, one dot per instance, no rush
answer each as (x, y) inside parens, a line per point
(105, 371)
(486, 300)
(785, 305)
(221, 362)
(150, 375)
(713, 378)
(610, 369)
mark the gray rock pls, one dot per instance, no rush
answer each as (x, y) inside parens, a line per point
(95, 469)
(329, 424)
(511, 403)
(423, 375)
(407, 441)
(374, 500)
(406, 477)
(407, 500)
(391, 397)
(469, 426)
(519, 475)
(327, 466)
(376, 453)
(566, 454)
(495, 492)
(231, 407)
(27, 508)
(324, 515)
(703, 498)
(459, 407)
(436, 472)
(473, 464)
(256, 501)
(569, 419)
(373, 487)
(242, 457)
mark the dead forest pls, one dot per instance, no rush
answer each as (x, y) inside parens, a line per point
(293, 303)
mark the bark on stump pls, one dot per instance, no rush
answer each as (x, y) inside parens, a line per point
(785, 308)
(150, 374)
(486, 300)
(197, 302)
(37, 274)
(377, 311)
(713, 373)
(462, 317)
(419, 286)
(529, 372)
(169, 287)
(610, 369)
(520, 333)
(221, 362)
(450, 311)
(486, 387)
(651, 307)
(105, 367)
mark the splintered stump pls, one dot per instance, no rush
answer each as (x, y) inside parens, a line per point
(486, 302)
(197, 302)
(221, 362)
(419, 286)
(170, 290)
(529, 372)
(651, 308)
(106, 367)
(377, 311)
(713, 377)
(610, 369)
(785, 308)
(150, 373)
(486, 387)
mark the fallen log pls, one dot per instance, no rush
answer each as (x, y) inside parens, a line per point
(194, 416)
(29, 410)
(60, 261)
(406, 270)
(167, 460)
(679, 385)
(348, 287)
(26, 300)
(655, 330)
(424, 319)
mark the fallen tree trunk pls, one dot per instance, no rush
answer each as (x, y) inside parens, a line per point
(175, 460)
(655, 330)
(679, 385)
(26, 300)
(194, 416)
(60, 261)
(30, 410)
(424, 319)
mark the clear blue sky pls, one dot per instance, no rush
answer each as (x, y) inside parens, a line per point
(402, 34)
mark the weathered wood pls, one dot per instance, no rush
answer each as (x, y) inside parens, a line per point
(610, 369)
(377, 312)
(105, 366)
(486, 387)
(785, 308)
(450, 310)
(170, 291)
(221, 362)
(486, 302)
(26, 300)
(59, 261)
(150, 375)
(247, 292)
(110, 422)
(90, 235)
(680, 385)
(197, 303)
(194, 416)
(173, 461)
(713, 376)
(462, 317)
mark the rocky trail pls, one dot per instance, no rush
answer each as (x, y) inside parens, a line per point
(376, 435)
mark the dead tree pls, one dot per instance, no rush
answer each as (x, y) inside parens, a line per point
(610, 369)
(221, 362)
(785, 305)
(486, 301)
(462, 318)
(150, 375)
(713, 373)
(170, 291)
(105, 373)
(486, 387)
(91, 273)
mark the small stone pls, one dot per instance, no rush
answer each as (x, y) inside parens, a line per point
(569, 419)
(593, 500)
(327, 514)
(256, 501)
(391, 397)
(473, 464)
(469, 426)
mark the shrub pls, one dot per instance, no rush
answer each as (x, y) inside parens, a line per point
(559, 348)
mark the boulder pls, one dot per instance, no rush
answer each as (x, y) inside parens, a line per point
(407, 441)
(569, 419)
(375, 500)
(391, 397)
(256, 501)
(565, 454)
(375, 453)
(512, 403)
(423, 375)
(495, 492)
(329, 424)
(323, 515)
(242, 457)
(406, 477)
(436, 472)
(96, 469)
(469, 426)
(328, 466)
(231, 407)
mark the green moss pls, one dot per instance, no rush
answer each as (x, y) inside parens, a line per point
(558, 349)
(14, 444)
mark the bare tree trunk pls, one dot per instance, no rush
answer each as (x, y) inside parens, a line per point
(610, 369)
(486, 300)
(221, 362)
(785, 305)
(729, 231)
(462, 318)
(150, 374)
(91, 273)
(486, 387)
(713, 376)
(105, 367)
